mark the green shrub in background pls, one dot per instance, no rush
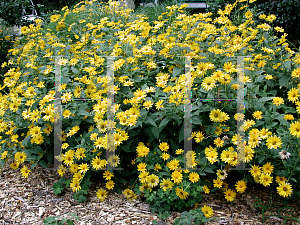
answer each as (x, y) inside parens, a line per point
(287, 14)
(149, 103)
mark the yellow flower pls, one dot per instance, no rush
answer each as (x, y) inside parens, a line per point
(163, 146)
(257, 115)
(165, 156)
(75, 185)
(142, 150)
(284, 189)
(14, 165)
(25, 172)
(166, 184)
(279, 180)
(61, 170)
(3, 155)
(255, 171)
(101, 194)
(108, 175)
(177, 177)
(293, 95)
(208, 211)
(194, 177)
(208, 83)
(153, 180)
(230, 195)
(295, 129)
(288, 117)
(129, 194)
(278, 101)
(173, 164)
(83, 167)
(181, 193)
(274, 142)
(265, 179)
(142, 167)
(54, 18)
(218, 183)
(268, 168)
(20, 157)
(240, 186)
(110, 185)
(206, 189)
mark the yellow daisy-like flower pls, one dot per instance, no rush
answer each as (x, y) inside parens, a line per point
(181, 193)
(216, 115)
(173, 164)
(101, 194)
(14, 165)
(279, 179)
(194, 177)
(177, 177)
(218, 183)
(163, 146)
(75, 185)
(166, 184)
(207, 211)
(268, 168)
(208, 83)
(230, 195)
(3, 155)
(108, 175)
(274, 142)
(83, 167)
(295, 129)
(265, 179)
(284, 189)
(153, 180)
(257, 115)
(278, 101)
(179, 151)
(293, 95)
(206, 189)
(25, 172)
(288, 117)
(20, 157)
(165, 156)
(61, 170)
(142, 167)
(255, 171)
(296, 73)
(241, 186)
(110, 184)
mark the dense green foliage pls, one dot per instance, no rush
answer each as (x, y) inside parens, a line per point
(286, 11)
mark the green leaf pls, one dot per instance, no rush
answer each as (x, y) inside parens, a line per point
(287, 65)
(177, 71)
(197, 120)
(83, 112)
(283, 80)
(164, 123)
(151, 121)
(208, 170)
(260, 158)
(43, 164)
(74, 70)
(181, 134)
(264, 99)
(25, 141)
(33, 165)
(155, 132)
(50, 155)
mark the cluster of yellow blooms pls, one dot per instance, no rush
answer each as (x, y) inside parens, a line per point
(132, 40)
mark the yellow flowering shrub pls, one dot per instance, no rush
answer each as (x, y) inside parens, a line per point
(149, 87)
